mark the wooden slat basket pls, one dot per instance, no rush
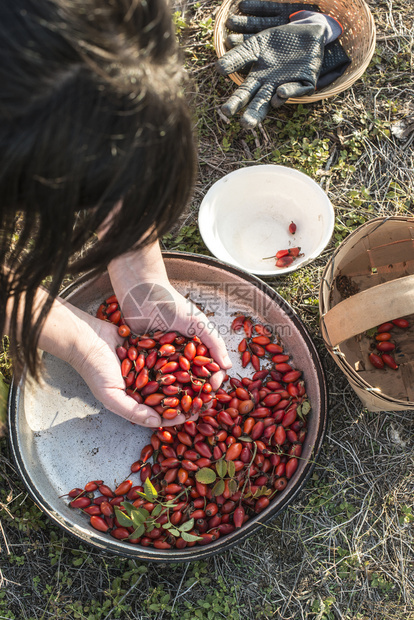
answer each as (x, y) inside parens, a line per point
(369, 280)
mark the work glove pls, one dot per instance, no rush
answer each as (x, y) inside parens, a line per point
(259, 15)
(286, 63)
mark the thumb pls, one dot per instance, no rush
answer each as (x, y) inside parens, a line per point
(236, 58)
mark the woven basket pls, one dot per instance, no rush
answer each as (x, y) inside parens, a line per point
(358, 41)
(368, 281)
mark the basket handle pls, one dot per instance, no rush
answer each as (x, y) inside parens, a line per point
(368, 309)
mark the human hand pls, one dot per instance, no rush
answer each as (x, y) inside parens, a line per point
(150, 303)
(94, 358)
(152, 306)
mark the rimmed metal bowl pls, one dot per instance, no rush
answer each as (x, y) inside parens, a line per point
(62, 437)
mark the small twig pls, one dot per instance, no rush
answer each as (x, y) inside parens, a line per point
(5, 539)
(211, 64)
(178, 589)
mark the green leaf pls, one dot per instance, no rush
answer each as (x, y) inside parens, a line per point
(205, 475)
(231, 468)
(78, 561)
(156, 510)
(175, 532)
(245, 438)
(150, 490)
(262, 491)
(187, 526)
(190, 537)
(143, 495)
(221, 468)
(130, 508)
(218, 488)
(138, 532)
(139, 516)
(123, 519)
(306, 407)
(233, 486)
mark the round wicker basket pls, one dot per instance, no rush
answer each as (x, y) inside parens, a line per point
(358, 41)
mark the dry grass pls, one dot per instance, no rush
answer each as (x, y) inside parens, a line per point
(345, 549)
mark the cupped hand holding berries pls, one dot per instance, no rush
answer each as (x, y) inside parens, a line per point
(89, 346)
(149, 303)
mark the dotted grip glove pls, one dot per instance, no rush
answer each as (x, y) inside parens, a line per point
(286, 63)
(258, 15)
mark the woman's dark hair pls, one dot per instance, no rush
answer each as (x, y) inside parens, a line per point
(91, 113)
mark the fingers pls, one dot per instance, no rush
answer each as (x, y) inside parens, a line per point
(218, 350)
(240, 97)
(236, 58)
(214, 342)
(294, 90)
(180, 419)
(258, 108)
(235, 39)
(192, 322)
(267, 8)
(291, 89)
(123, 405)
(217, 379)
(251, 24)
(260, 7)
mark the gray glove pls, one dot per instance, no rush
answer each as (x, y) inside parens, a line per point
(286, 63)
(259, 15)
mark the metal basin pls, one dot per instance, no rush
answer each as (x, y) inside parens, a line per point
(62, 437)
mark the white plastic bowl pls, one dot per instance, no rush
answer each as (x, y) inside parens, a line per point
(245, 217)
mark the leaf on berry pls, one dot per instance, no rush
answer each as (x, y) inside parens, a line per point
(218, 488)
(221, 468)
(231, 469)
(150, 490)
(190, 537)
(187, 526)
(123, 519)
(205, 475)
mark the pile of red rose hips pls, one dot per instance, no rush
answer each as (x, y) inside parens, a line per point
(165, 371)
(207, 477)
(381, 358)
